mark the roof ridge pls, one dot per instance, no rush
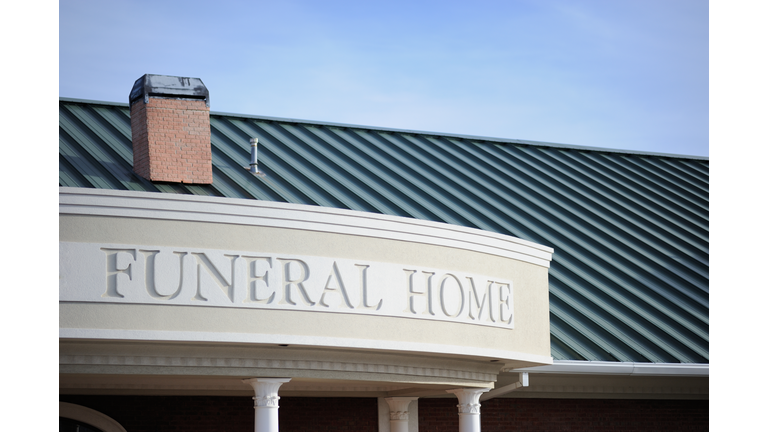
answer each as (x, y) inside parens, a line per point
(418, 132)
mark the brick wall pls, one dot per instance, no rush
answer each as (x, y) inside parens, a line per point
(231, 414)
(173, 413)
(235, 414)
(172, 140)
(506, 415)
(329, 414)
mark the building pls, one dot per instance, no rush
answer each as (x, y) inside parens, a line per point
(371, 278)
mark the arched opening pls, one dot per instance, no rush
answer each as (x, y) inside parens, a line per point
(77, 418)
(70, 425)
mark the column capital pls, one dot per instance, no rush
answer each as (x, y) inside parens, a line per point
(469, 399)
(266, 390)
(398, 407)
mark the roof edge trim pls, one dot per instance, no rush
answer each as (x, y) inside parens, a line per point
(411, 131)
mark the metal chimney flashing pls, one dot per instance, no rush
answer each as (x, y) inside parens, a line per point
(169, 86)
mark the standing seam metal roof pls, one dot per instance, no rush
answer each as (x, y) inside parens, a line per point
(629, 276)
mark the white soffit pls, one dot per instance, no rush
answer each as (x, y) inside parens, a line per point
(148, 205)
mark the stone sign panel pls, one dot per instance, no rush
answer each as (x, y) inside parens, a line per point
(141, 274)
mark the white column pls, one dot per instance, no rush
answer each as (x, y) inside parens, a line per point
(398, 413)
(469, 408)
(265, 402)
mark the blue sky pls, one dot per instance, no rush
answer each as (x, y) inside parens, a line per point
(630, 74)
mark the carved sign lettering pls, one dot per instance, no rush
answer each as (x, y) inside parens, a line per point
(188, 276)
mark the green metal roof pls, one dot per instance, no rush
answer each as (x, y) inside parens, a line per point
(629, 279)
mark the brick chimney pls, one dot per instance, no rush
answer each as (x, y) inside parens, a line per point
(171, 129)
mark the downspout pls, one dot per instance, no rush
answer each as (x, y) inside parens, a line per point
(522, 382)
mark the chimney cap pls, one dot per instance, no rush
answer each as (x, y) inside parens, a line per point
(168, 86)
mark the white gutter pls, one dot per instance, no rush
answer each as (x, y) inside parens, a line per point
(619, 368)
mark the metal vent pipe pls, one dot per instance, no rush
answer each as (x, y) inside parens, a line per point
(254, 159)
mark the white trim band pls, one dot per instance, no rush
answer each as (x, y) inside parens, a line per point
(149, 205)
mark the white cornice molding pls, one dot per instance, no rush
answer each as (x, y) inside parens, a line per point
(619, 368)
(233, 386)
(280, 364)
(298, 340)
(149, 205)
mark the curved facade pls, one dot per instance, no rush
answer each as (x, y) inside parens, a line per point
(151, 267)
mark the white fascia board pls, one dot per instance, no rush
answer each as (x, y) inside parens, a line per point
(620, 368)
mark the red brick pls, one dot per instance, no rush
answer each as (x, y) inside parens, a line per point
(162, 132)
(297, 414)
